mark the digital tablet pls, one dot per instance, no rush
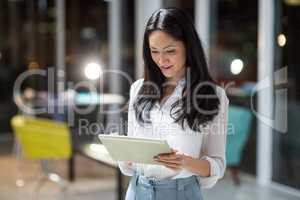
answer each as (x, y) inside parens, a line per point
(140, 150)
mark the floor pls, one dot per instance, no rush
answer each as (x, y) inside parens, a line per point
(248, 190)
(19, 178)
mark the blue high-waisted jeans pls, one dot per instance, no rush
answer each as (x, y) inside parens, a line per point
(143, 188)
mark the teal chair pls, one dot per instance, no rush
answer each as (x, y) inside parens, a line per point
(239, 125)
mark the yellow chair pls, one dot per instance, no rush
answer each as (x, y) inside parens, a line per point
(43, 139)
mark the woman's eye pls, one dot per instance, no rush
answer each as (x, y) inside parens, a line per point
(171, 51)
(154, 52)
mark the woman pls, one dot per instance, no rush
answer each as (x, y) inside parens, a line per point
(178, 101)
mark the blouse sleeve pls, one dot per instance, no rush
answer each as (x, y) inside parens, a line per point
(125, 167)
(214, 143)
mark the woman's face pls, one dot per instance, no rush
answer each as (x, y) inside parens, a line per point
(169, 55)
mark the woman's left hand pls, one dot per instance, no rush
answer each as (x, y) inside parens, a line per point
(173, 160)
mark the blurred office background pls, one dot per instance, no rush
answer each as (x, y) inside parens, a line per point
(247, 42)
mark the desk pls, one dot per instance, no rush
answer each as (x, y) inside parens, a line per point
(95, 151)
(98, 153)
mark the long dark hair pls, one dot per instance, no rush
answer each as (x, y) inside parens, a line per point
(196, 113)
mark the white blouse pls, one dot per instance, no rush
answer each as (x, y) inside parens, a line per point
(208, 144)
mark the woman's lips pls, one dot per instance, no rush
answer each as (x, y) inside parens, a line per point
(167, 67)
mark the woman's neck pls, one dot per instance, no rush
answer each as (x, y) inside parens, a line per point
(168, 88)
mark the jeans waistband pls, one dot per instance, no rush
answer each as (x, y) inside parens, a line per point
(166, 183)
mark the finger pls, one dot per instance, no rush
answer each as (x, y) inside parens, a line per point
(176, 162)
(166, 154)
(169, 154)
(173, 166)
(158, 163)
(170, 157)
(175, 169)
(174, 150)
(169, 165)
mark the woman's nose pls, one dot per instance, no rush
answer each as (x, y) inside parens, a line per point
(162, 59)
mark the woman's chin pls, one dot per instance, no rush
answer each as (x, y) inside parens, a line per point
(168, 75)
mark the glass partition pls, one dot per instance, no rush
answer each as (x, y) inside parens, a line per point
(233, 63)
(286, 145)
